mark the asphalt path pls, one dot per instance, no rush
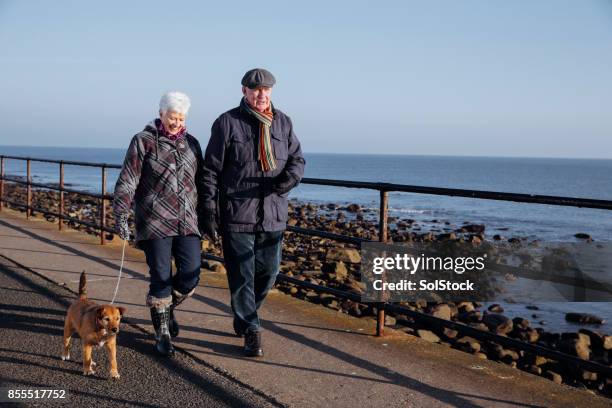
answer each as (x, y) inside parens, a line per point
(32, 311)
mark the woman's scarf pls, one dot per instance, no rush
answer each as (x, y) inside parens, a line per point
(162, 130)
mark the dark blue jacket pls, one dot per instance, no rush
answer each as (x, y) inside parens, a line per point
(235, 185)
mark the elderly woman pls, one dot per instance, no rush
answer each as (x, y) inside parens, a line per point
(161, 177)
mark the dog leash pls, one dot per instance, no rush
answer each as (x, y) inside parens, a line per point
(120, 270)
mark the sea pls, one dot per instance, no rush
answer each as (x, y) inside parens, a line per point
(582, 178)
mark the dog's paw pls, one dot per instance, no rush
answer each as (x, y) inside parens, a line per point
(89, 372)
(93, 364)
(115, 375)
(66, 357)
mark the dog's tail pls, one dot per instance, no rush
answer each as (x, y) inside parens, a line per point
(83, 286)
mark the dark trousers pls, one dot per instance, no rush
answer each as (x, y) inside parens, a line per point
(186, 252)
(252, 260)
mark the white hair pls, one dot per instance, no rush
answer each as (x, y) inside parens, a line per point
(175, 102)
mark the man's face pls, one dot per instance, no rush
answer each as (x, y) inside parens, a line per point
(258, 98)
(173, 121)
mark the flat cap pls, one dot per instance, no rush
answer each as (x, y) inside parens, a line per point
(258, 77)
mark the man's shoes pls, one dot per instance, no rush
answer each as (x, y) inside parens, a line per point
(252, 344)
(160, 318)
(238, 329)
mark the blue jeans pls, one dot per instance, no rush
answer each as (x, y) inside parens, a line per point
(187, 258)
(252, 260)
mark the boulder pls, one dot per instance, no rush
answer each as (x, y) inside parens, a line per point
(428, 336)
(584, 318)
(442, 311)
(497, 323)
(348, 255)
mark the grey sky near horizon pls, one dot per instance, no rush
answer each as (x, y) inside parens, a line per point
(475, 78)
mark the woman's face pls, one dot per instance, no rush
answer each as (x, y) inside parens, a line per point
(173, 121)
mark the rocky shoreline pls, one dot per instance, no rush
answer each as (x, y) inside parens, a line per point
(328, 263)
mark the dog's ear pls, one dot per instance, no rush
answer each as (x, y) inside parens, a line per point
(122, 310)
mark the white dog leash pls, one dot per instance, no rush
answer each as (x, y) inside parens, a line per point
(120, 270)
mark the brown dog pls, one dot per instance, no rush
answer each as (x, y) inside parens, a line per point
(97, 325)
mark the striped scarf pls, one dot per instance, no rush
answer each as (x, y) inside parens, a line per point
(265, 154)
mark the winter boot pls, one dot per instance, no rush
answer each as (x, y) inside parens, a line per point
(177, 299)
(161, 318)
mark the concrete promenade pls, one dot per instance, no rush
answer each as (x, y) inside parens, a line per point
(314, 356)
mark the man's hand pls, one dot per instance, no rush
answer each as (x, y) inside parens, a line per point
(123, 227)
(208, 225)
(283, 184)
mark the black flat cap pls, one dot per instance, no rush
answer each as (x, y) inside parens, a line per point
(258, 77)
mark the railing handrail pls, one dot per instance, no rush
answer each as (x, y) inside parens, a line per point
(383, 188)
(405, 188)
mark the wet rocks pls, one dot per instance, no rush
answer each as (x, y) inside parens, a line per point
(497, 323)
(348, 255)
(583, 318)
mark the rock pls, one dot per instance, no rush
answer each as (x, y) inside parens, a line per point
(442, 311)
(582, 235)
(520, 322)
(588, 375)
(450, 333)
(465, 307)
(472, 228)
(576, 344)
(497, 237)
(468, 344)
(607, 343)
(551, 375)
(428, 336)
(583, 318)
(390, 320)
(348, 255)
(336, 268)
(497, 323)
(353, 208)
(533, 369)
(495, 308)
(218, 267)
(597, 339)
(532, 307)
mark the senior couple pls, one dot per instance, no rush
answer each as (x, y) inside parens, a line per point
(238, 189)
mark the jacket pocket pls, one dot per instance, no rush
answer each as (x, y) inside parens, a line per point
(241, 210)
(280, 146)
(281, 205)
(242, 149)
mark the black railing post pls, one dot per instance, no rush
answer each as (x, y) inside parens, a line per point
(103, 207)
(1, 181)
(29, 190)
(382, 237)
(61, 195)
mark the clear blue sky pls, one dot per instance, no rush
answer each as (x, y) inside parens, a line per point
(497, 78)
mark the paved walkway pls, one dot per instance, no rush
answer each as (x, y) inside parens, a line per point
(314, 356)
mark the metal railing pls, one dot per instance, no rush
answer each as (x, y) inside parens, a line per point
(383, 189)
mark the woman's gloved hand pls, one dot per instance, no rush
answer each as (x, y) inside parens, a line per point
(123, 227)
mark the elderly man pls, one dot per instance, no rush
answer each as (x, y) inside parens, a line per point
(252, 161)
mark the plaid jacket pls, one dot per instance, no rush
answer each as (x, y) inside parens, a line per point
(161, 179)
